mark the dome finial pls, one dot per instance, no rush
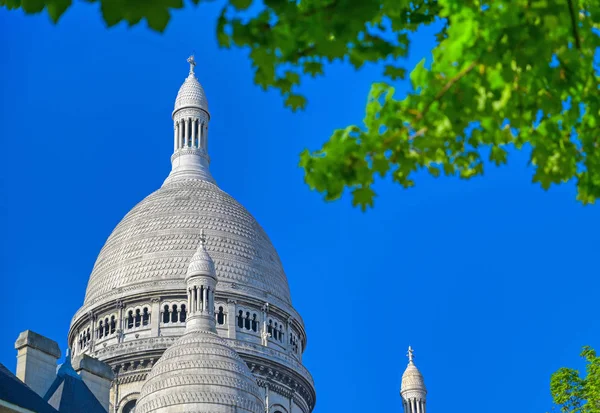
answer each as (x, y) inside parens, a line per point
(192, 63)
(410, 355)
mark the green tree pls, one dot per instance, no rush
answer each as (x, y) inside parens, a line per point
(576, 394)
(504, 75)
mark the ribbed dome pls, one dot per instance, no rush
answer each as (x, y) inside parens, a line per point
(200, 373)
(150, 249)
(191, 94)
(412, 379)
(201, 262)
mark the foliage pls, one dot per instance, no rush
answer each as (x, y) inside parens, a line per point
(503, 74)
(575, 394)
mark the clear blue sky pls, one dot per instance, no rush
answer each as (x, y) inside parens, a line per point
(494, 282)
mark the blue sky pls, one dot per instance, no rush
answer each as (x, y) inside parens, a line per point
(493, 281)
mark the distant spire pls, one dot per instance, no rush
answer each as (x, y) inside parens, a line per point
(410, 355)
(192, 63)
(412, 389)
(202, 238)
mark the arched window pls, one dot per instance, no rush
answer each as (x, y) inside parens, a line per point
(130, 319)
(183, 313)
(166, 314)
(220, 316)
(281, 333)
(247, 321)
(138, 317)
(101, 329)
(113, 324)
(145, 317)
(129, 407)
(240, 319)
(254, 323)
(106, 326)
(174, 314)
(270, 328)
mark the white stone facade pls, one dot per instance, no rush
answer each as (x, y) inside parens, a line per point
(136, 304)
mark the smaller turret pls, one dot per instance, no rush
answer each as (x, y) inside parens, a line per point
(413, 390)
(201, 281)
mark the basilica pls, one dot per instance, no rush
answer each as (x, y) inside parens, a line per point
(187, 308)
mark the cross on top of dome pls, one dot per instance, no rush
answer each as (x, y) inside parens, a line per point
(192, 63)
(410, 354)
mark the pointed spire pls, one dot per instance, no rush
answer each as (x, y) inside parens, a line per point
(413, 390)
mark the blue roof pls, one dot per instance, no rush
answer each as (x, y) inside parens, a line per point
(69, 394)
(14, 391)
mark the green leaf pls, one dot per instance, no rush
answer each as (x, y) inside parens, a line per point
(33, 6)
(158, 19)
(313, 68)
(394, 72)
(363, 197)
(241, 4)
(295, 102)
(57, 8)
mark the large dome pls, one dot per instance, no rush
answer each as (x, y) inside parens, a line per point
(138, 304)
(152, 246)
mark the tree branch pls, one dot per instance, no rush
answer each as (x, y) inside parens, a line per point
(447, 87)
(574, 24)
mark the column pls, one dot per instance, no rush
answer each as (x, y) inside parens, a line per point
(190, 298)
(120, 306)
(155, 317)
(205, 135)
(205, 299)
(188, 132)
(181, 130)
(194, 133)
(92, 332)
(231, 316)
(266, 396)
(288, 334)
(175, 137)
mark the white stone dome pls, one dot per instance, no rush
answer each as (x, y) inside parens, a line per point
(412, 380)
(200, 373)
(191, 95)
(151, 247)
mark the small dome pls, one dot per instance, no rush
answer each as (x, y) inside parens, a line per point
(201, 263)
(200, 373)
(413, 384)
(191, 94)
(412, 379)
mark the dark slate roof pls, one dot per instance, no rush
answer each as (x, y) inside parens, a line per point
(69, 394)
(14, 391)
